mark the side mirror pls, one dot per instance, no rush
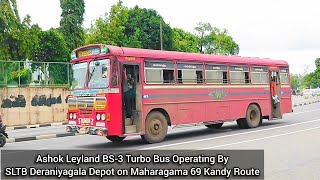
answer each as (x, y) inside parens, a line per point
(97, 63)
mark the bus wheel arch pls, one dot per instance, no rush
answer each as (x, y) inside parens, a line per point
(253, 117)
(164, 112)
(156, 127)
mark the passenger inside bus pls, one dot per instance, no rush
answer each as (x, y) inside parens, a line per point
(126, 96)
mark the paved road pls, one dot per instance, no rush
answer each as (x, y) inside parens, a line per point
(292, 146)
(61, 128)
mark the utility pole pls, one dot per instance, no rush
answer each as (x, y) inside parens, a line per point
(161, 44)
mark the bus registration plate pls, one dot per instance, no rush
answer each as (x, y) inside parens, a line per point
(85, 121)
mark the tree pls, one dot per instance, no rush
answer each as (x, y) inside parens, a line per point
(143, 26)
(71, 23)
(134, 27)
(10, 27)
(317, 62)
(110, 29)
(184, 41)
(52, 48)
(296, 81)
(312, 80)
(211, 40)
(203, 31)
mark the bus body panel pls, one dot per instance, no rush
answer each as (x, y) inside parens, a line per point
(191, 103)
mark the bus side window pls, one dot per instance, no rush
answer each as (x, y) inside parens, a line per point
(239, 74)
(168, 76)
(246, 74)
(284, 73)
(225, 77)
(216, 74)
(159, 72)
(199, 77)
(190, 73)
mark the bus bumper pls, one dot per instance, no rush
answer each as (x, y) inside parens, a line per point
(87, 130)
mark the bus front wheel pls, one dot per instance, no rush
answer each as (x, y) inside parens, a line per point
(156, 128)
(115, 138)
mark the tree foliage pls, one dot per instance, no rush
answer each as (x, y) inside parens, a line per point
(135, 27)
(184, 41)
(211, 40)
(71, 22)
(312, 80)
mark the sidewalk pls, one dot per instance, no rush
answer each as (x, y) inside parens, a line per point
(304, 100)
(37, 125)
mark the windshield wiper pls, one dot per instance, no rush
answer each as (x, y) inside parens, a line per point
(97, 63)
(91, 74)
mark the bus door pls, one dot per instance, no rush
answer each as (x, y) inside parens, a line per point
(275, 91)
(131, 97)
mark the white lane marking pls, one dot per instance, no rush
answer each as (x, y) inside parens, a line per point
(258, 139)
(230, 135)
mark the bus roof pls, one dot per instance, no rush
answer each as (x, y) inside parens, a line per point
(174, 55)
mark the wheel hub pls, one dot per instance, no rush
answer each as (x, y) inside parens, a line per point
(253, 116)
(155, 127)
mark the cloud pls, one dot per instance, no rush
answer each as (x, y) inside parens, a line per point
(285, 29)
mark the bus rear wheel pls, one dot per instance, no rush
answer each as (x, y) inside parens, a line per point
(156, 128)
(253, 117)
(115, 138)
(214, 126)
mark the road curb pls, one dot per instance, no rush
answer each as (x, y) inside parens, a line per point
(306, 103)
(37, 126)
(40, 137)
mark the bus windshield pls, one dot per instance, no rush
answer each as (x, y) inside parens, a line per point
(79, 75)
(99, 73)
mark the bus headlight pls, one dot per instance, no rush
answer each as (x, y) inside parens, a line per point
(103, 117)
(70, 116)
(74, 115)
(98, 117)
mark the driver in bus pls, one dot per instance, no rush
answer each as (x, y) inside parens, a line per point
(104, 72)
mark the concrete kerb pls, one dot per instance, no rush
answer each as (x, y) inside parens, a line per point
(306, 103)
(40, 137)
(37, 125)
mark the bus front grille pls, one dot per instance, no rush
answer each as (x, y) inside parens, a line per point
(86, 112)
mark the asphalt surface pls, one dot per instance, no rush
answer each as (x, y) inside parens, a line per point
(291, 145)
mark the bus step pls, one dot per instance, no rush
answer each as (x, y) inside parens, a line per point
(131, 129)
(128, 121)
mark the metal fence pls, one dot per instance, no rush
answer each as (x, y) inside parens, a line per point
(30, 73)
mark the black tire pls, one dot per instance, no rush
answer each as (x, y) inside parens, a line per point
(214, 126)
(156, 128)
(241, 123)
(2, 141)
(115, 139)
(253, 116)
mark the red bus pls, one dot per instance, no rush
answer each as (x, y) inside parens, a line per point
(118, 91)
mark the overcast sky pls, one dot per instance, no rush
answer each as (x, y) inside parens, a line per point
(285, 30)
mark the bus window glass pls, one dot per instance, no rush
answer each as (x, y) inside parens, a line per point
(190, 73)
(259, 75)
(159, 72)
(216, 74)
(99, 73)
(79, 75)
(153, 76)
(114, 72)
(239, 74)
(284, 73)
